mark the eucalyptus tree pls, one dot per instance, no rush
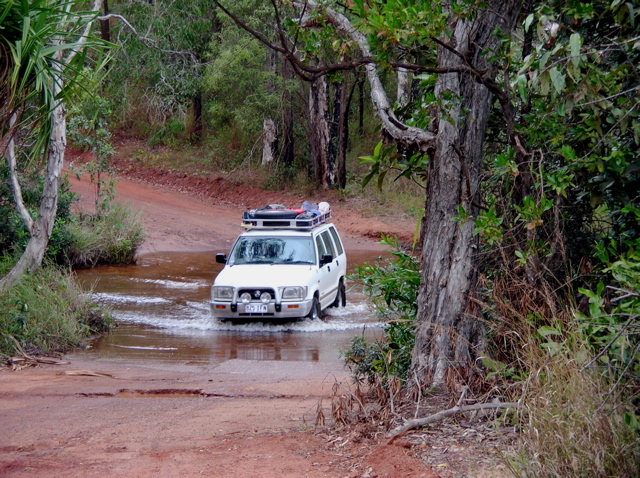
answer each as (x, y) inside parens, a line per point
(46, 44)
(158, 69)
(457, 44)
(328, 93)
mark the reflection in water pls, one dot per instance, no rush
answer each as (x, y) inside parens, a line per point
(162, 308)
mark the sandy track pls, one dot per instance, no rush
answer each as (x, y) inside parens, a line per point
(237, 419)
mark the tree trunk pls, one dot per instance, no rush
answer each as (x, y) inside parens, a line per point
(105, 32)
(343, 136)
(13, 176)
(361, 106)
(33, 255)
(319, 134)
(449, 335)
(198, 125)
(334, 130)
(269, 141)
(42, 227)
(403, 91)
(287, 118)
(269, 129)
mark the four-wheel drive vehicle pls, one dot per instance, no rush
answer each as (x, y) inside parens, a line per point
(285, 265)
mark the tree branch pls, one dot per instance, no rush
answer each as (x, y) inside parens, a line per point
(85, 34)
(419, 422)
(146, 40)
(13, 173)
(402, 133)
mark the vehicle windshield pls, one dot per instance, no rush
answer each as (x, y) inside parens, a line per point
(273, 250)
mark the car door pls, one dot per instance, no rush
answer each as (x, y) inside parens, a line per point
(324, 272)
(330, 273)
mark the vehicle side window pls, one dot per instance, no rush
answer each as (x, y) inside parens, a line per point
(329, 244)
(321, 249)
(336, 239)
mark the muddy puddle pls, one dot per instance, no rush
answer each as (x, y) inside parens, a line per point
(161, 306)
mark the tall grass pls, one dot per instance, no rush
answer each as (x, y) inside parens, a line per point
(571, 424)
(47, 312)
(112, 237)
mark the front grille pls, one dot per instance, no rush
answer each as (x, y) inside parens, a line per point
(255, 293)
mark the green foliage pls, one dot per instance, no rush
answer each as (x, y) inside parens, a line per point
(88, 128)
(111, 237)
(13, 232)
(391, 25)
(392, 285)
(387, 158)
(47, 312)
(38, 36)
(611, 328)
(238, 82)
(157, 74)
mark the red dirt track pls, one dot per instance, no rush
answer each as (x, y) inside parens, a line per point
(241, 418)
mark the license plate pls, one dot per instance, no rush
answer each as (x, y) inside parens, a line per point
(255, 308)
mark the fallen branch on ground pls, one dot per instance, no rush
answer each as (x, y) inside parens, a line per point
(418, 422)
(25, 360)
(87, 373)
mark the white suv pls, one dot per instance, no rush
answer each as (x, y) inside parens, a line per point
(281, 268)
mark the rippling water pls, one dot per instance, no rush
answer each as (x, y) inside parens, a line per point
(162, 308)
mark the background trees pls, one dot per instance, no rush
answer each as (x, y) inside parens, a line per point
(520, 119)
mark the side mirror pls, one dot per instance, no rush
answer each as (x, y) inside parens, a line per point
(221, 258)
(326, 259)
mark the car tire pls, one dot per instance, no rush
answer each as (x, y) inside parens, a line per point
(316, 311)
(341, 296)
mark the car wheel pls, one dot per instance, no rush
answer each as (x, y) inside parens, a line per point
(341, 296)
(316, 312)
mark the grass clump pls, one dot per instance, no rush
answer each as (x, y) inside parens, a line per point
(112, 237)
(572, 426)
(47, 312)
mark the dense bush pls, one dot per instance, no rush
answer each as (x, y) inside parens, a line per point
(47, 312)
(13, 232)
(392, 285)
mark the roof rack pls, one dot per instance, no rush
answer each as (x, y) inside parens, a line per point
(251, 222)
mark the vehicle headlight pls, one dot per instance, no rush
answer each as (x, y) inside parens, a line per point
(265, 297)
(245, 298)
(294, 293)
(221, 293)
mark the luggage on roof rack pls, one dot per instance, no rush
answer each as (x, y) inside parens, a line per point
(275, 216)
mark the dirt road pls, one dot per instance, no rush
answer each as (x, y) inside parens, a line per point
(238, 419)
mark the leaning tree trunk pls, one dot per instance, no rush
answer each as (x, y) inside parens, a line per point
(449, 335)
(42, 227)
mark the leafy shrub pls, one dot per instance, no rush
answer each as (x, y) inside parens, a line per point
(392, 285)
(112, 237)
(13, 232)
(47, 312)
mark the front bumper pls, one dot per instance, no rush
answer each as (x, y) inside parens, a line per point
(284, 310)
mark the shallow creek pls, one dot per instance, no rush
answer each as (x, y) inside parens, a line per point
(161, 306)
